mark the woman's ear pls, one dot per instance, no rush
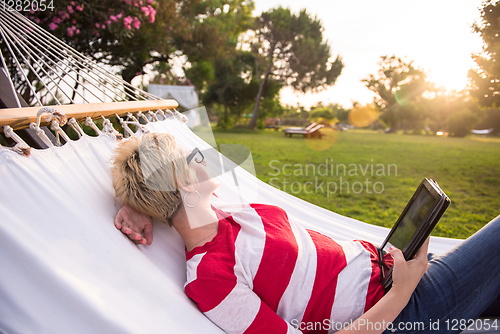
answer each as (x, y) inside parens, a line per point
(186, 189)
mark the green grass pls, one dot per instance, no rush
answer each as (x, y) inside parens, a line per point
(467, 169)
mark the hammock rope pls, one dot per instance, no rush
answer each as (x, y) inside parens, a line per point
(58, 67)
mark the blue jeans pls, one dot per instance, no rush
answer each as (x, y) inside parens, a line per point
(457, 288)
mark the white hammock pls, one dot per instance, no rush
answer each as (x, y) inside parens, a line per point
(65, 267)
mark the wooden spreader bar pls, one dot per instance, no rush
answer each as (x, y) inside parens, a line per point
(20, 118)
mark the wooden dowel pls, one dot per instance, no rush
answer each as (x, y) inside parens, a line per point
(20, 118)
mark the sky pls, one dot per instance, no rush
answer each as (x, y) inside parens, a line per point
(435, 34)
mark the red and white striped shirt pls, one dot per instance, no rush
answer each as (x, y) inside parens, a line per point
(263, 273)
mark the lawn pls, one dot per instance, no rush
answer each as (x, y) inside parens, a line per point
(371, 176)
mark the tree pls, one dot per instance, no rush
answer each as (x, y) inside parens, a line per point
(228, 88)
(461, 122)
(116, 33)
(234, 92)
(290, 49)
(399, 87)
(212, 36)
(486, 78)
(216, 65)
(134, 33)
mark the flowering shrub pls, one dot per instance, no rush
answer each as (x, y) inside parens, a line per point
(74, 20)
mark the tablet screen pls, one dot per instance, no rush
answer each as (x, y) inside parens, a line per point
(414, 216)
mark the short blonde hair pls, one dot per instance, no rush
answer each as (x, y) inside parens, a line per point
(146, 173)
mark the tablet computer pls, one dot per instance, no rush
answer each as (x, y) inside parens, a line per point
(415, 223)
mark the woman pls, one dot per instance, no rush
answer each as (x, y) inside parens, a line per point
(257, 271)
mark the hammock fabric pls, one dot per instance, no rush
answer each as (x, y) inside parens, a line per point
(65, 267)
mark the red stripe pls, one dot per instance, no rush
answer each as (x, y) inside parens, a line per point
(267, 321)
(330, 262)
(375, 289)
(215, 274)
(279, 256)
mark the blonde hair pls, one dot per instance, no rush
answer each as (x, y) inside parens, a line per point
(146, 173)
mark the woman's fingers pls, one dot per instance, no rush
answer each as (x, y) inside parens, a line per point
(133, 224)
(118, 220)
(407, 274)
(422, 252)
(131, 232)
(397, 255)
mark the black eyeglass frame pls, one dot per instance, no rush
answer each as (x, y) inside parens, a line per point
(193, 154)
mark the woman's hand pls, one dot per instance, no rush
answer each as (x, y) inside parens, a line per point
(133, 223)
(407, 274)
(405, 277)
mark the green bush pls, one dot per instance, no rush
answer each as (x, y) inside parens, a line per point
(461, 123)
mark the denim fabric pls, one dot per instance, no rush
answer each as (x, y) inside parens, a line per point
(458, 286)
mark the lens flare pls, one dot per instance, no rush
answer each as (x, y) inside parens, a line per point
(401, 97)
(362, 116)
(328, 138)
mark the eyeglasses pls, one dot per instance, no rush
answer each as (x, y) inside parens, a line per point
(197, 155)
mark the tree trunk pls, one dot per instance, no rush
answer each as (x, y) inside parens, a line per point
(225, 112)
(255, 115)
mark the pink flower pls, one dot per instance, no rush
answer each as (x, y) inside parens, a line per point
(136, 24)
(113, 18)
(152, 14)
(170, 28)
(108, 22)
(32, 11)
(71, 30)
(145, 10)
(103, 26)
(127, 21)
(53, 26)
(56, 20)
(70, 9)
(97, 25)
(72, 3)
(77, 31)
(64, 15)
(128, 2)
(80, 8)
(37, 20)
(150, 2)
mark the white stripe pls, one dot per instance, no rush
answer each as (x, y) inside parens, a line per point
(192, 267)
(237, 311)
(352, 285)
(240, 307)
(249, 245)
(294, 301)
